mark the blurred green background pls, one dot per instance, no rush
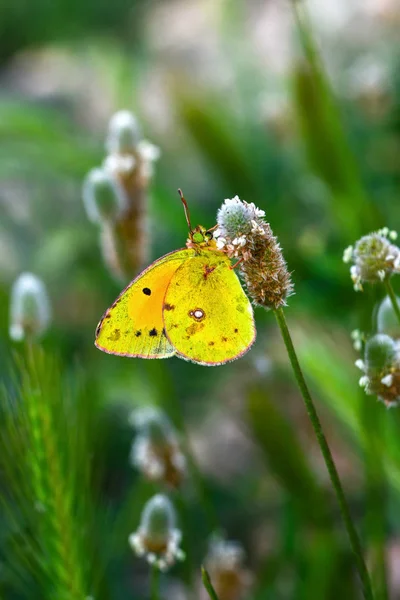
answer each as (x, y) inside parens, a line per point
(234, 95)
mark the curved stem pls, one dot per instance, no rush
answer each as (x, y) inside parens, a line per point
(155, 583)
(208, 585)
(330, 465)
(393, 299)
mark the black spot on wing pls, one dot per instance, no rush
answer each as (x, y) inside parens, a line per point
(153, 332)
(138, 333)
(146, 291)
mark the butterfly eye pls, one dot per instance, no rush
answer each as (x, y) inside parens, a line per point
(198, 237)
(209, 235)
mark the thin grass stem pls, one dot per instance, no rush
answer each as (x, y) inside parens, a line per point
(155, 583)
(393, 299)
(208, 585)
(333, 474)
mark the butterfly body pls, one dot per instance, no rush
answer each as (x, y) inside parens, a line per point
(188, 303)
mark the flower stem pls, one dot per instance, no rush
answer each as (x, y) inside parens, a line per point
(155, 583)
(393, 299)
(208, 585)
(333, 474)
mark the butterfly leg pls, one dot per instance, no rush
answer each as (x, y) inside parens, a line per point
(236, 263)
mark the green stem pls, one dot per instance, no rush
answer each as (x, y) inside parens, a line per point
(155, 583)
(208, 585)
(333, 474)
(393, 299)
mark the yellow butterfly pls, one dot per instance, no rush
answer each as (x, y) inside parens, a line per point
(188, 303)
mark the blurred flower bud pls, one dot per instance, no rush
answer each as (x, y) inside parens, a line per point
(387, 319)
(381, 368)
(103, 197)
(128, 165)
(374, 258)
(155, 451)
(124, 133)
(157, 537)
(243, 233)
(30, 308)
(225, 565)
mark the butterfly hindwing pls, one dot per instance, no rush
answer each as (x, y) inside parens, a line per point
(133, 325)
(207, 316)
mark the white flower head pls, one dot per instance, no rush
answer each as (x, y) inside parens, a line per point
(157, 537)
(374, 258)
(124, 133)
(235, 218)
(155, 450)
(30, 311)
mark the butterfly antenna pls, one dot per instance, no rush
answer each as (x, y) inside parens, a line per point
(186, 209)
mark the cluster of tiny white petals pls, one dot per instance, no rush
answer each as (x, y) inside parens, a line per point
(236, 219)
(374, 258)
(163, 560)
(157, 539)
(155, 450)
(381, 377)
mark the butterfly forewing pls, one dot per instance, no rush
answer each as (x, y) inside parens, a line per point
(207, 316)
(133, 325)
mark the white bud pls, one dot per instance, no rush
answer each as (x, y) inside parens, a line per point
(123, 133)
(30, 307)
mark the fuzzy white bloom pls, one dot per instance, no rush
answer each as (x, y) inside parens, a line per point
(103, 196)
(381, 368)
(157, 537)
(360, 364)
(374, 258)
(156, 451)
(387, 380)
(148, 152)
(30, 312)
(119, 164)
(123, 133)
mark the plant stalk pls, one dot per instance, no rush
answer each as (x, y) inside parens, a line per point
(333, 474)
(155, 583)
(393, 299)
(208, 585)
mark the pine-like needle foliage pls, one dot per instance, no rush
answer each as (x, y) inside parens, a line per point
(44, 463)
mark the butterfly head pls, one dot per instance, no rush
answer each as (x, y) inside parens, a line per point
(199, 237)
